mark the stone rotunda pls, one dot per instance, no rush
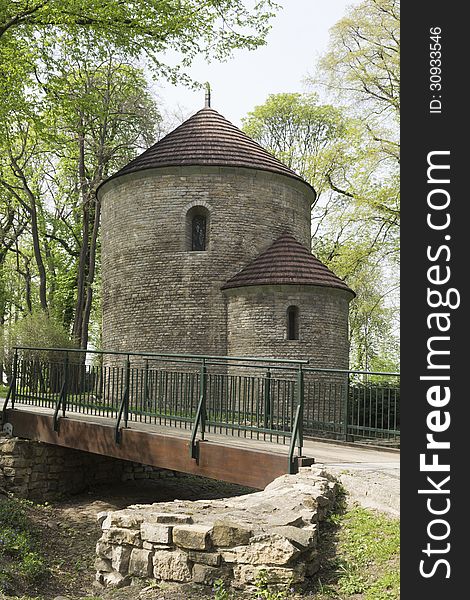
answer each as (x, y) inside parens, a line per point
(205, 241)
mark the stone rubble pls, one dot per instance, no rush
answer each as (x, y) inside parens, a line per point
(234, 539)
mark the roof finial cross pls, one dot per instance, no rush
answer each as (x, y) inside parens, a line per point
(208, 95)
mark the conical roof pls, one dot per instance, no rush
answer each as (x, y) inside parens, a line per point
(207, 138)
(286, 262)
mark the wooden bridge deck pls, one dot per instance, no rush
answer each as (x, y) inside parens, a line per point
(237, 460)
(242, 460)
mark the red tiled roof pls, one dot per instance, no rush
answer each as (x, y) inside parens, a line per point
(286, 261)
(207, 138)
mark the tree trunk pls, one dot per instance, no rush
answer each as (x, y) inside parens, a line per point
(91, 275)
(77, 331)
(31, 209)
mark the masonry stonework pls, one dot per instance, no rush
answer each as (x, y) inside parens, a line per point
(257, 323)
(164, 292)
(274, 531)
(39, 471)
(158, 296)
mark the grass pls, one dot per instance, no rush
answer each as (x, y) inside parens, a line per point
(361, 550)
(262, 591)
(21, 562)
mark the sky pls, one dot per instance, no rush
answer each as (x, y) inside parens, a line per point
(298, 37)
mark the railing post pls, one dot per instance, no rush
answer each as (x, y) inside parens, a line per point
(66, 384)
(203, 394)
(127, 391)
(346, 410)
(146, 386)
(12, 389)
(14, 376)
(123, 412)
(200, 413)
(267, 401)
(300, 403)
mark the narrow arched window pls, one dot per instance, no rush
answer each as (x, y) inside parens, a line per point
(197, 229)
(293, 323)
(198, 232)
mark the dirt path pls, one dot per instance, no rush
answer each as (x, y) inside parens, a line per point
(370, 475)
(69, 530)
(371, 485)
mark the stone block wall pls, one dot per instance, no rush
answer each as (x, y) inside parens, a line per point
(235, 539)
(157, 296)
(41, 471)
(257, 323)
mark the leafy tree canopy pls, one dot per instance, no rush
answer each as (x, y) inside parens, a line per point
(142, 27)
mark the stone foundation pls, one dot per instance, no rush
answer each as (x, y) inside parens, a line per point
(234, 539)
(39, 471)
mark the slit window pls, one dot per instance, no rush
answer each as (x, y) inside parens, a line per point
(197, 229)
(293, 323)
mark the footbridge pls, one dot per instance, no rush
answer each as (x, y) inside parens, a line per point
(237, 419)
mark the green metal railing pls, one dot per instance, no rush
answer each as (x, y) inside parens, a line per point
(352, 405)
(276, 400)
(248, 397)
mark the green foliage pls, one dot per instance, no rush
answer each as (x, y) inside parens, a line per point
(151, 30)
(369, 536)
(40, 330)
(302, 133)
(366, 559)
(386, 587)
(74, 108)
(20, 560)
(220, 592)
(263, 590)
(362, 62)
(36, 330)
(355, 216)
(349, 152)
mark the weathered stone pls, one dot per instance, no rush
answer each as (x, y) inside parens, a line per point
(205, 574)
(193, 537)
(322, 500)
(101, 564)
(226, 534)
(8, 445)
(101, 516)
(263, 550)
(9, 472)
(287, 552)
(140, 563)
(156, 533)
(15, 462)
(247, 574)
(150, 546)
(212, 559)
(305, 537)
(171, 566)
(118, 535)
(120, 559)
(114, 580)
(123, 518)
(170, 518)
(286, 519)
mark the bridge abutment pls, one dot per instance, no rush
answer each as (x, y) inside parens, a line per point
(40, 471)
